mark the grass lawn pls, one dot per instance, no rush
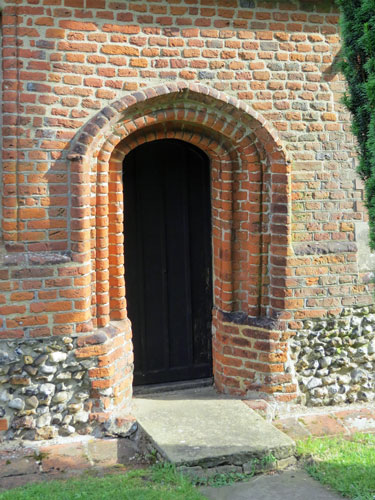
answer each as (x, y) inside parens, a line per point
(347, 465)
(160, 482)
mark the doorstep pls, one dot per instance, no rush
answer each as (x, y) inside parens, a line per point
(199, 427)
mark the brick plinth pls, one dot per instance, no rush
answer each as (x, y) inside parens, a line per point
(250, 360)
(111, 379)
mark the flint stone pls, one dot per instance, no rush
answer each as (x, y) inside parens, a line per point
(19, 380)
(81, 417)
(361, 352)
(361, 340)
(303, 363)
(47, 432)
(358, 376)
(315, 364)
(82, 395)
(319, 392)
(333, 389)
(31, 391)
(28, 360)
(32, 402)
(343, 379)
(4, 357)
(45, 378)
(57, 418)
(48, 369)
(86, 363)
(63, 376)
(57, 357)
(43, 420)
(60, 397)
(314, 382)
(73, 364)
(47, 389)
(74, 407)
(316, 402)
(4, 396)
(61, 387)
(42, 358)
(4, 370)
(67, 419)
(365, 396)
(343, 389)
(24, 423)
(16, 404)
(338, 399)
(326, 361)
(31, 370)
(352, 397)
(67, 430)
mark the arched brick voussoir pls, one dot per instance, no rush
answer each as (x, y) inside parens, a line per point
(211, 139)
(150, 99)
(199, 137)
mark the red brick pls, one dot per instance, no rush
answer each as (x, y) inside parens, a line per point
(3, 424)
(322, 425)
(50, 205)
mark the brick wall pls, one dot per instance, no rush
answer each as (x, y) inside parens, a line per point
(254, 85)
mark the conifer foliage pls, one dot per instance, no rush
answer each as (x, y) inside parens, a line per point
(358, 66)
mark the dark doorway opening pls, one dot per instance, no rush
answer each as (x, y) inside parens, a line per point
(168, 261)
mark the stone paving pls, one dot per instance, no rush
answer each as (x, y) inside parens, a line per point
(288, 485)
(37, 461)
(300, 422)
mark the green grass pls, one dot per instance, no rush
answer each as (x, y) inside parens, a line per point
(347, 465)
(160, 482)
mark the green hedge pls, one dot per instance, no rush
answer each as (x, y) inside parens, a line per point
(358, 66)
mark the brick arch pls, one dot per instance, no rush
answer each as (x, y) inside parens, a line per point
(95, 130)
(250, 191)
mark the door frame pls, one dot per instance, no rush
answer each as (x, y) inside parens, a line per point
(206, 164)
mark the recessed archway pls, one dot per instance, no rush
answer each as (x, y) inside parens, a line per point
(250, 221)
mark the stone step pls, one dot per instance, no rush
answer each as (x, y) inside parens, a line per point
(198, 427)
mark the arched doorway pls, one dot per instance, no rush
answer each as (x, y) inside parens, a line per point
(168, 260)
(251, 235)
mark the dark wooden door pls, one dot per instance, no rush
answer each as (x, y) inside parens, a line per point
(168, 275)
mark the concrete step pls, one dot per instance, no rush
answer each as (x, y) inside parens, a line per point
(199, 427)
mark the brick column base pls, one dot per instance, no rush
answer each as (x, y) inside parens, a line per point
(250, 360)
(111, 379)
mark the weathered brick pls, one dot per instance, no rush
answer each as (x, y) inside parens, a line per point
(83, 64)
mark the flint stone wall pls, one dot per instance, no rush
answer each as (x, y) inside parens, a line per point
(45, 389)
(65, 385)
(334, 358)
